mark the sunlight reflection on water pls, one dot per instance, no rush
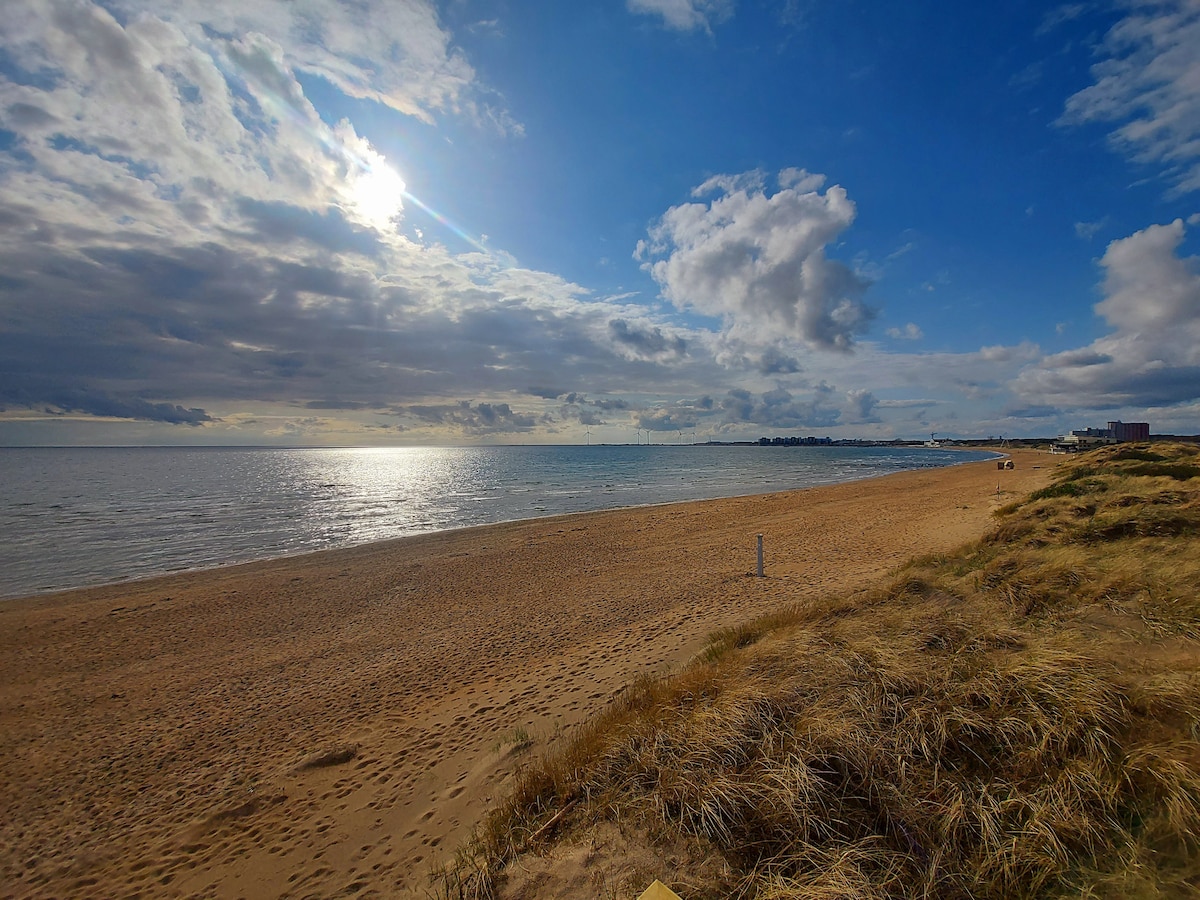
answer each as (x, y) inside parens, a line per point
(73, 517)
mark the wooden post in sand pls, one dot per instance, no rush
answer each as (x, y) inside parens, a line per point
(760, 557)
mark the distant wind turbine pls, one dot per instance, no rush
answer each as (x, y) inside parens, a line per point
(589, 437)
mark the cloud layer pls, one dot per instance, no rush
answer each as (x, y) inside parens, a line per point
(187, 239)
(178, 225)
(183, 236)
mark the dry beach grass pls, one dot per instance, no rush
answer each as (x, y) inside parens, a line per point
(337, 723)
(1017, 718)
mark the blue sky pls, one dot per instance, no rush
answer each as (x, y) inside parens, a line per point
(396, 221)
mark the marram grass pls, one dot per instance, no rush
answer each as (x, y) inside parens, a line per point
(1017, 719)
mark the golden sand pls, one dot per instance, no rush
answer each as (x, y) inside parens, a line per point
(335, 723)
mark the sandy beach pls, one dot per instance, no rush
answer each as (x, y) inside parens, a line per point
(336, 723)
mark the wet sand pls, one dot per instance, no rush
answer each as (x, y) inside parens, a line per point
(335, 723)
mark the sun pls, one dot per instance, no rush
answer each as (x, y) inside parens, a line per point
(376, 193)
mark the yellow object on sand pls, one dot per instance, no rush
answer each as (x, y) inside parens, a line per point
(659, 891)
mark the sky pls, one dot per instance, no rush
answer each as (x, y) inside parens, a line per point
(392, 222)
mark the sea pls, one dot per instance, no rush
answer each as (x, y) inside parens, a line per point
(76, 517)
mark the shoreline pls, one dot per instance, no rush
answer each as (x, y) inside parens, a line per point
(416, 535)
(338, 720)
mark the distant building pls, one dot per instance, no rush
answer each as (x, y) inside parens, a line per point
(1129, 431)
(794, 441)
(1116, 433)
(1090, 437)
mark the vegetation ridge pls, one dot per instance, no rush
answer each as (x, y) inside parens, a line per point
(1020, 718)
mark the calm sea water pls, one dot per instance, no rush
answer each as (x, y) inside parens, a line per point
(72, 517)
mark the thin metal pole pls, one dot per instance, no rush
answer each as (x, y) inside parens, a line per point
(760, 557)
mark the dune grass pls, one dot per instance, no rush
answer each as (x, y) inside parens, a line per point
(1020, 718)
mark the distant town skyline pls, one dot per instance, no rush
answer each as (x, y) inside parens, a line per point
(496, 221)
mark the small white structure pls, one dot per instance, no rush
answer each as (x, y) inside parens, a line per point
(1078, 441)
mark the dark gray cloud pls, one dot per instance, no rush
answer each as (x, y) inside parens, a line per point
(478, 419)
(25, 392)
(281, 223)
(588, 411)
(676, 419)
(775, 362)
(229, 323)
(590, 417)
(27, 115)
(777, 408)
(611, 405)
(644, 341)
(780, 409)
(680, 416)
(1033, 412)
(336, 404)
(1078, 359)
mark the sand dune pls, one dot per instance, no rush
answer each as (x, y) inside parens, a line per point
(335, 723)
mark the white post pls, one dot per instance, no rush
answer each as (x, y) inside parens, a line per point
(760, 557)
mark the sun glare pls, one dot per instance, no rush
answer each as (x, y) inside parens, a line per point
(376, 194)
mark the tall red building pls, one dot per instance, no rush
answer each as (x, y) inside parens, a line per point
(1130, 431)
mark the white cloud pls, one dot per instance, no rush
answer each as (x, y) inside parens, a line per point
(1148, 288)
(1022, 352)
(801, 180)
(1148, 84)
(1059, 16)
(685, 15)
(861, 406)
(910, 332)
(1088, 230)
(394, 52)
(163, 127)
(758, 262)
(754, 180)
(1152, 355)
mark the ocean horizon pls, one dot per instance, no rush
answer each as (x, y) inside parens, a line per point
(78, 517)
